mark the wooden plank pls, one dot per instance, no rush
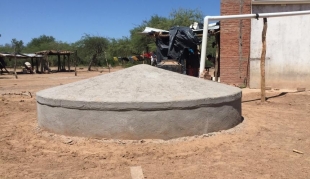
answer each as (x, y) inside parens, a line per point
(136, 172)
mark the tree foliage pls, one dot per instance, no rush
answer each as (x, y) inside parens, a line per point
(92, 47)
(120, 47)
(42, 40)
(185, 17)
(18, 45)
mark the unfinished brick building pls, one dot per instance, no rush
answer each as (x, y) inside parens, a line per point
(235, 43)
(287, 57)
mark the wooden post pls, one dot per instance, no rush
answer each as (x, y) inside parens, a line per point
(105, 56)
(64, 63)
(75, 61)
(32, 65)
(59, 63)
(69, 62)
(47, 64)
(143, 56)
(42, 63)
(15, 63)
(262, 62)
(37, 65)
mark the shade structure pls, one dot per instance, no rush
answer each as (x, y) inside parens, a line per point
(141, 102)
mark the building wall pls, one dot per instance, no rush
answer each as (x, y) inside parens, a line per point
(235, 43)
(288, 48)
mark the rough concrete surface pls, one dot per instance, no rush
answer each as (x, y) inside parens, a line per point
(138, 103)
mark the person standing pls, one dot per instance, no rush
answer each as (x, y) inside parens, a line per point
(153, 59)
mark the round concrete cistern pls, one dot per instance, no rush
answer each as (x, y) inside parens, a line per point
(141, 102)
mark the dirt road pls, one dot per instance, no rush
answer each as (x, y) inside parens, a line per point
(272, 142)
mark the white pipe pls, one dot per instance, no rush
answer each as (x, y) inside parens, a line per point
(241, 16)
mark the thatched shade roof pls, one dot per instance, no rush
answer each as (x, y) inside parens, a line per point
(20, 55)
(54, 52)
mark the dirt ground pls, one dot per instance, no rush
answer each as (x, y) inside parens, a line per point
(272, 142)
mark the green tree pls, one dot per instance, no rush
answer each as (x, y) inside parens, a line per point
(185, 17)
(43, 39)
(92, 47)
(18, 45)
(6, 48)
(120, 47)
(40, 43)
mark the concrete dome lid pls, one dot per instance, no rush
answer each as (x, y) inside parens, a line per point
(142, 87)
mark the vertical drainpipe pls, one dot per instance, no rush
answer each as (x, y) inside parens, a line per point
(204, 46)
(240, 36)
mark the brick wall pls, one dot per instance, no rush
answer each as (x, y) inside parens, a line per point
(235, 43)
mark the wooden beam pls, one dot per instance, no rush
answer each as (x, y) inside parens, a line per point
(262, 62)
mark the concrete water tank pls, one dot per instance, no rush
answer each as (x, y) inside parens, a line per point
(141, 102)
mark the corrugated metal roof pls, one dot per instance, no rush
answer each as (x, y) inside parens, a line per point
(149, 30)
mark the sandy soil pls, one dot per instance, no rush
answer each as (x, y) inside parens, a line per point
(272, 142)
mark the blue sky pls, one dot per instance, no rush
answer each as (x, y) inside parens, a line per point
(68, 20)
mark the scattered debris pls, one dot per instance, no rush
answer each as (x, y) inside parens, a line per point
(68, 141)
(297, 151)
(23, 93)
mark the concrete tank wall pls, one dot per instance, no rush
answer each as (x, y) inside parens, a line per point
(135, 124)
(288, 44)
